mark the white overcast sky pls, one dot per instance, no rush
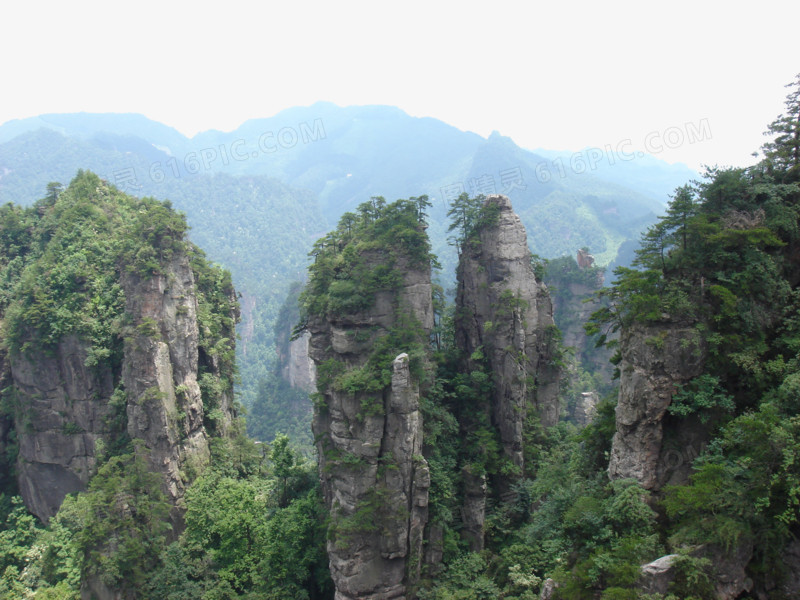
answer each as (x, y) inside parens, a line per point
(557, 75)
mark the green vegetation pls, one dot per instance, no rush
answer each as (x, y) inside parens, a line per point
(368, 253)
(467, 217)
(723, 260)
(255, 528)
(62, 260)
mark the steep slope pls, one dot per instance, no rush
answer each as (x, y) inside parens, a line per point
(260, 229)
(503, 325)
(504, 309)
(369, 314)
(650, 445)
(116, 329)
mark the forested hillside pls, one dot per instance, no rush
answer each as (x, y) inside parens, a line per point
(256, 198)
(439, 455)
(117, 422)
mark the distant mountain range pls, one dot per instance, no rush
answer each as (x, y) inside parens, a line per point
(257, 197)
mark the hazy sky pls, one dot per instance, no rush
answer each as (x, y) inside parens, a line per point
(555, 75)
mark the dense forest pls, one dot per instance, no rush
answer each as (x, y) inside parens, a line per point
(256, 198)
(709, 310)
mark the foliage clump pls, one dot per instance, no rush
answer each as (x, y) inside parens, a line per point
(724, 261)
(369, 253)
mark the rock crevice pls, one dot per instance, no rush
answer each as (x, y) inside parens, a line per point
(374, 478)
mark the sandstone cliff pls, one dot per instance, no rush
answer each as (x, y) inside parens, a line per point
(502, 307)
(131, 363)
(504, 324)
(373, 475)
(295, 366)
(368, 428)
(650, 445)
(68, 413)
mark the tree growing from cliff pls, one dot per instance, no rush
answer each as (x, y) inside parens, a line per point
(467, 216)
(783, 152)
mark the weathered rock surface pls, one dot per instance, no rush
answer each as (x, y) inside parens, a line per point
(473, 508)
(549, 587)
(502, 307)
(656, 576)
(297, 367)
(729, 577)
(374, 478)
(585, 408)
(655, 360)
(62, 412)
(64, 415)
(159, 374)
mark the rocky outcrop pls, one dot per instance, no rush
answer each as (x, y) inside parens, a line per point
(62, 414)
(656, 576)
(585, 408)
(68, 409)
(549, 587)
(374, 478)
(294, 363)
(297, 368)
(473, 508)
(503, 308)
(650, 445)
(729, 576)
(159, 374)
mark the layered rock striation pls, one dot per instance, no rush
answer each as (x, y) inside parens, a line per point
(369, 436)
(503, 309)
(650, 445)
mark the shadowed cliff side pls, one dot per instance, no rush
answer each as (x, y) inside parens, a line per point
(504, 322)
(369, 313)
(116, 329)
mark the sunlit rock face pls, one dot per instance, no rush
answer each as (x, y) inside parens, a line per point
(68, 412)
(650, 445)
(502, 307)
(504, 322)
(374, 478)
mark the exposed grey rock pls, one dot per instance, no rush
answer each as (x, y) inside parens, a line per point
(374, 478)
(473, 508)
(502, 307)
(93, 588)
(434, 550)
(585, 409)
(730, 578)
(656, 576)
(548, 589)
(791, 562)
(298, 368)
(656, 358)
(63, 415)
(156, 365)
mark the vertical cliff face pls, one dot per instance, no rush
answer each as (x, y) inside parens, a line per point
(367, 419)
(649, 444)
(294, 363)
(160, 374)
(502, 307)
(297, 368)
(504, 324)
(374, 478)
(69, 413)
(108, 349)
(63, 412)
